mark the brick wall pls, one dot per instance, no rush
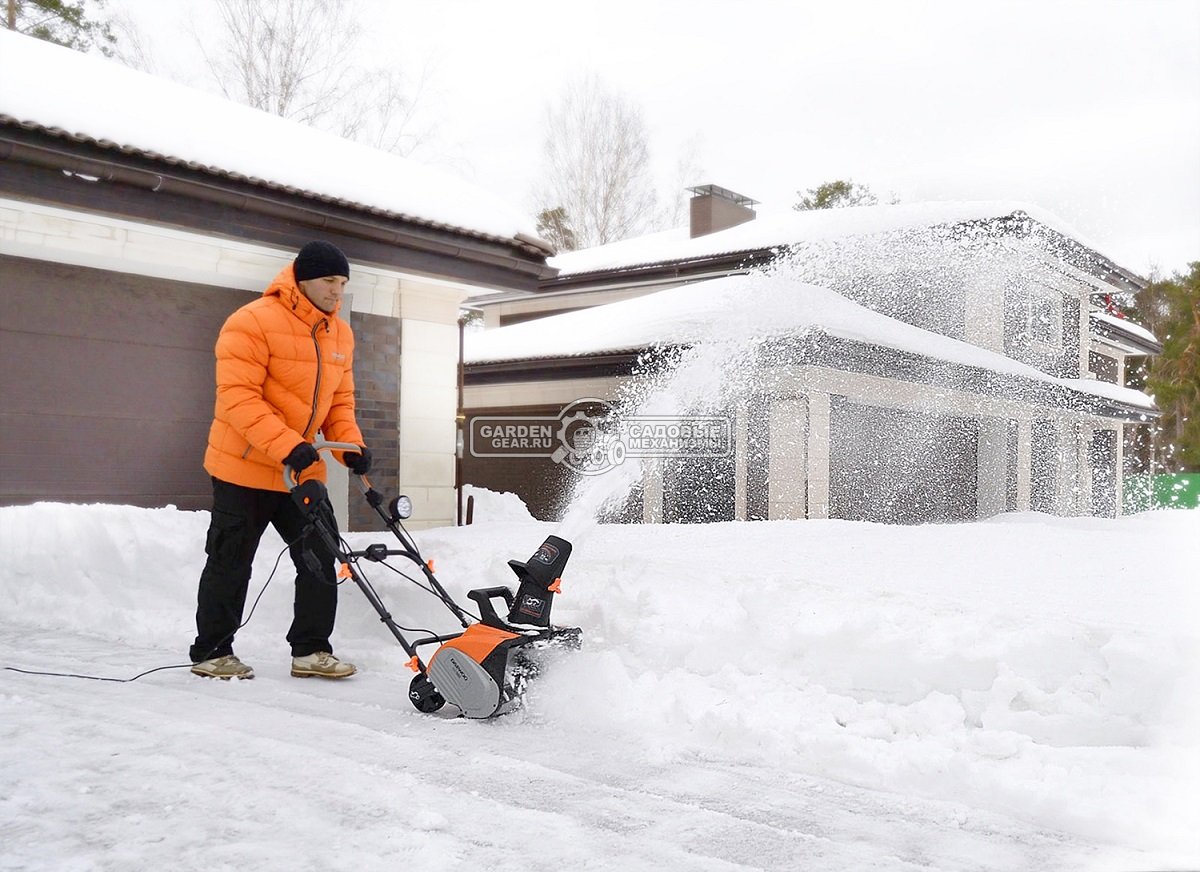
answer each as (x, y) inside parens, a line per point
(377, 404)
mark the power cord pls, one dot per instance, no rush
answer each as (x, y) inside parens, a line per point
(229, 636)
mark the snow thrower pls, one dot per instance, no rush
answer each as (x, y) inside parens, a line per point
(485, 668)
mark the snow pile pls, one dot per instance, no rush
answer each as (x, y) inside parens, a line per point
(1020, 693)
(491, 506)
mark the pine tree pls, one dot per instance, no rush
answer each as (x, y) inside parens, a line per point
(835, 195)
(1170, 308)
(63, 23)
(554, 226)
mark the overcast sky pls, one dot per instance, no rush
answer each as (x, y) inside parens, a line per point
(1089, 109)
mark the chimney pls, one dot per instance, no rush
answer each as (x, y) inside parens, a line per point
(715, 208)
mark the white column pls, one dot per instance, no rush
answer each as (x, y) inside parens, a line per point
(991, 467)
(788, 476)
(818, 455)
(1119, 468)
(1024, 463)
(427, 431)
(652, 491)
(740, 464)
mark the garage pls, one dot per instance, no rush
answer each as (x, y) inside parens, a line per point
(107, 379)
(894, 466)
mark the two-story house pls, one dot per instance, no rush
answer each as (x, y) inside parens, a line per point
(926, 362)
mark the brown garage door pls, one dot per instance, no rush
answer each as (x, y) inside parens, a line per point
(106, 385)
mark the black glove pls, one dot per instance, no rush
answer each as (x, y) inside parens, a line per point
(302, 457)
(360, 463)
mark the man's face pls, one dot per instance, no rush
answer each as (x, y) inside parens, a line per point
(325, 292)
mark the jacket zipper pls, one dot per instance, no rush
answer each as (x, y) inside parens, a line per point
(316, 387)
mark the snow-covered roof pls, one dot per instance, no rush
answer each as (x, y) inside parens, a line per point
(759, 305)
(1126, 325)
(89, 98)
(775, 229)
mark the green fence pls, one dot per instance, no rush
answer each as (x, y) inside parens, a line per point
(1180, 490)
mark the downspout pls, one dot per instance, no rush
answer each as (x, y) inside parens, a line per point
(460, 418)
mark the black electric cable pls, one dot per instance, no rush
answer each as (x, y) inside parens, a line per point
(230, 635)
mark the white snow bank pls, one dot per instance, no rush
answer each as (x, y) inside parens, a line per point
(1015, 694)
(89, 95)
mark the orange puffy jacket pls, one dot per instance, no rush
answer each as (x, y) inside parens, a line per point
(283, 373)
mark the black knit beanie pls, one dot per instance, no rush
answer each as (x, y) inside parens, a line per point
(319, 259)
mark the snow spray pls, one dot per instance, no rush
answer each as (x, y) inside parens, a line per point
(871, 290)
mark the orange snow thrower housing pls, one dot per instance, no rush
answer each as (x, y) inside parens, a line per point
(484, 669)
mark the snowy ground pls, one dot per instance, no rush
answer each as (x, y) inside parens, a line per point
(1010, 695)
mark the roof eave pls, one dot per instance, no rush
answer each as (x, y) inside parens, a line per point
(55, 148)
(816, 347)
(1018, 224)
(1126, 340)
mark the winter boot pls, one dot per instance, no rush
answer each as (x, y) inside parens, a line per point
(539, 578)
(322, 664)
(225, 668)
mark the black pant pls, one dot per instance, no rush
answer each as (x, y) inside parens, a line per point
(239, 517)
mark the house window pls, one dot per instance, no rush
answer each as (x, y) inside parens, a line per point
(1042, 323)
(1034, 320)
(1071, 338)
(1103, 367)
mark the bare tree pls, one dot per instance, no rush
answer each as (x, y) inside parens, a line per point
(287, 57)
(132, 47)
(295, 58)
(597, 158)
(383, 111)
(687, 173)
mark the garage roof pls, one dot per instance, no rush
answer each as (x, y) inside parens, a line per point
(91, 99)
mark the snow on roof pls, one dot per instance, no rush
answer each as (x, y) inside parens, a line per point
(90, 97)
(758, 305)
(1126, 325)
(775, 229)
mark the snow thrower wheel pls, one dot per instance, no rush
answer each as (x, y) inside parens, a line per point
(424, 695)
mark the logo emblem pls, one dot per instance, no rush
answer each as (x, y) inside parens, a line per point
(531, 605)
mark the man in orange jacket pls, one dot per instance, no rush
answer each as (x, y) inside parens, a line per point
(284, 372)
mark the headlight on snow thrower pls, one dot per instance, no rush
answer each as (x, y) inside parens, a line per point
(400, 508)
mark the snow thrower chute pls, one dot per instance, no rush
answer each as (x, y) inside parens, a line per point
(484, 669)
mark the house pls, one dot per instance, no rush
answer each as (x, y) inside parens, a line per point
(136, 214)
(925, 362)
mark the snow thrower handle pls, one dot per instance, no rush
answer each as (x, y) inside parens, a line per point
(292, 480)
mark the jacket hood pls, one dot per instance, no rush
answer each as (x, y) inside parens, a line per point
(287, 289)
